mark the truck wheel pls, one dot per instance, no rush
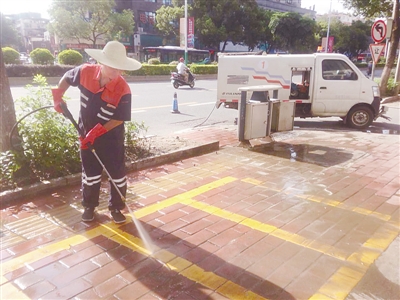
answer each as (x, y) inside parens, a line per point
(360, 117)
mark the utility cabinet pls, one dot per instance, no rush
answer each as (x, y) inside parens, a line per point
(256, 120)
(283, 116)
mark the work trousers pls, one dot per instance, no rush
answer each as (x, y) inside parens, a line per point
(112, 155)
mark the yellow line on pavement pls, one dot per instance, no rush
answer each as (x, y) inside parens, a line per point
(271, 230)
(184, 198)
(184, 267)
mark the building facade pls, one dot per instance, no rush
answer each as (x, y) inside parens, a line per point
(33, 30)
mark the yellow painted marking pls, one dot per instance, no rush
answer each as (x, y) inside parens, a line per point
(183, 198)
(43, 252)
(342, 282)
(9, 291)
(272, 230)
(381, 239)
(252, 181)
(186, 268)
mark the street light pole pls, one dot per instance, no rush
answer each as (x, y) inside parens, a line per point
(329, 25)
(186, 34)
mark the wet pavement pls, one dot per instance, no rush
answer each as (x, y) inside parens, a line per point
(307, 215)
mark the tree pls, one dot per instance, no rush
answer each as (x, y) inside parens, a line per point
(7, 110)
(301, 40)
(88, 20)
(9, 35)
(381, 8)
(167, 21)
(349, 39)
(220, 21)
(255, 27)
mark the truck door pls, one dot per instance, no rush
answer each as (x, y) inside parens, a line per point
(337, 87)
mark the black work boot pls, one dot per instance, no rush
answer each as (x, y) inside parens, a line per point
(117, 216)
(88, 214)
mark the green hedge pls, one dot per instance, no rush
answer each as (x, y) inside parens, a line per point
(146, 70)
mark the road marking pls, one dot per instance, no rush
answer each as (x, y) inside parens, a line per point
(200, 104)
(161, 106)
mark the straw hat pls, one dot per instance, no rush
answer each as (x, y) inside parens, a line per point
(114, 56)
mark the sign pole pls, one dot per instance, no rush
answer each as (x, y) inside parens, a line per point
(186, 34)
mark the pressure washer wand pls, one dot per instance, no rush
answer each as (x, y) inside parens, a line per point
(69, 116)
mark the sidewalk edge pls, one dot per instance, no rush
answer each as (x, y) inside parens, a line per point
(9, 198)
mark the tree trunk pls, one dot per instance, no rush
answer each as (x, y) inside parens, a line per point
(24, 175)
(7, 110)
(394, 44)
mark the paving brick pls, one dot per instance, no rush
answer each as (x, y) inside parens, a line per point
(74, 288)
(81, 256)
(110, 287)
(49, 271)
(27, 280)
(99, 275)
(11, 276)
(71, 274)
(36, 291)
(136, 288)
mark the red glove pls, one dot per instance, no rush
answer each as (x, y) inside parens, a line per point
(93, 134)
(57, 98)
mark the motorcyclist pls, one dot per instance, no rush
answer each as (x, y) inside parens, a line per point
(182, 69)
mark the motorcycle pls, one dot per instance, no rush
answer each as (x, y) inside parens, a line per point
(178, 80)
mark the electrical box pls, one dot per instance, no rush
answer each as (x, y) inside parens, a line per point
(256, 120)
(283, 116)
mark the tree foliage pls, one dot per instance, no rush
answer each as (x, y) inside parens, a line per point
(9, 35)
(89, 20)
(301, 40)
(381, 8)
(220, 21)
(167, 21)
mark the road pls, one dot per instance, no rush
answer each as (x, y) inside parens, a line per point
(153, 102)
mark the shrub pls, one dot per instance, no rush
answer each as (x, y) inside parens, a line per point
(49, 140)
(204, 69)
(10, 55)
(70, 57)
(8, 167)
(153, 61)
(42, 56)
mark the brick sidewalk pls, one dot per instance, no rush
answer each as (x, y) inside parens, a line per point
(303, 217)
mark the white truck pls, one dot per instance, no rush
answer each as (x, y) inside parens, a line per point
(321, 84)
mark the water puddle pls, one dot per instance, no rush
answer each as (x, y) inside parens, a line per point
(314, 154)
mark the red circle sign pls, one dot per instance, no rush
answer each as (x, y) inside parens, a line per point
(378, 31)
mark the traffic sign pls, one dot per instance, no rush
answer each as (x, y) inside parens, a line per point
(378, 31)
(376, 51)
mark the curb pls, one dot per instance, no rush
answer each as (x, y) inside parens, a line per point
(9, 198)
